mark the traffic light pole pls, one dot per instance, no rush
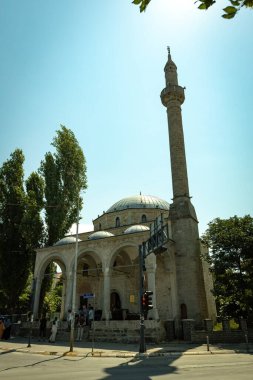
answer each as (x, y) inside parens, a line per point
(142, 348)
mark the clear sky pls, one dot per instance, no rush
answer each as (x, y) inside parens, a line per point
(97, 68)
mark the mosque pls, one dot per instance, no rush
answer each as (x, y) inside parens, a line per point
(107, 259)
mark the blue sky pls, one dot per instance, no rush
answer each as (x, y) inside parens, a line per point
(97, 67)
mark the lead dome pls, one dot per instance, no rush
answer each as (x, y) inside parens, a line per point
(139, 202)
(66, 240)
(136, 228)
(100, 235)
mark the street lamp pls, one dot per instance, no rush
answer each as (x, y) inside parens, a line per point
(72, 326)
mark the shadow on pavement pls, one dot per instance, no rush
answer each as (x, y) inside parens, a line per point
(142, 368)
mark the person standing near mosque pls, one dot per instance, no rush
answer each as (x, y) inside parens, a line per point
(54, 329)
(43, 327)
(91, 315)
(80, 326)
(2, 327)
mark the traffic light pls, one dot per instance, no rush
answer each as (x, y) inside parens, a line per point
(144, 302)
(147, 301)
(149, 294)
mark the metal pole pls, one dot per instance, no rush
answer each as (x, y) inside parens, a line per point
(72, 327)
(29, 336)
(207, 343)
(93, 328)
(142, 327)
(30, 320)
(247, 342)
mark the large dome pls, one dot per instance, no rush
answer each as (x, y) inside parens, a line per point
(139, 201)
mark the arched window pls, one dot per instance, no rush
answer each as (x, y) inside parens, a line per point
(143, 218)
(85, 270)
(100, 227)
(117, 223)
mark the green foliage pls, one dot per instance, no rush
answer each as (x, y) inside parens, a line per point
(64, 173)
(142, 4)
(231, 258)
(56, 189)
(230, 11)
(25, 296)
(16, 245)
(217, 327)
(53, 298)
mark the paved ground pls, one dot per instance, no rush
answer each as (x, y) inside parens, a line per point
(105, 349)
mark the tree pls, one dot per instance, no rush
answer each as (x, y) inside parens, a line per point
(64, 174)
(230, 11)
(19, 220)
(231, 258)
(56, 190)
(53, 298)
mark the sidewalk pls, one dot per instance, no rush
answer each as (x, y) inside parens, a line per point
(104, 349)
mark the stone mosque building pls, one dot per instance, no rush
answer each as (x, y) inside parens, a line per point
(107, 259)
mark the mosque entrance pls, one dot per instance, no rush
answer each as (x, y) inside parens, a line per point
(115, 305)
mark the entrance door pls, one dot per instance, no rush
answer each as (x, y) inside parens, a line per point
(116, 306)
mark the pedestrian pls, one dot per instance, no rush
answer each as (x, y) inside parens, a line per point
(91, 315)
(7, 329)
(43, 328)
(69, 319)
(80, 327)
(2, 327)
(54, 329)
(85, 312)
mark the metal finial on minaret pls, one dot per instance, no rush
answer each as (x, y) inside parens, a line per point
(168, 48)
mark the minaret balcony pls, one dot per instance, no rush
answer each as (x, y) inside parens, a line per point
(172, 92)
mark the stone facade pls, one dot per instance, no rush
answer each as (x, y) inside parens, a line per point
(108, 258)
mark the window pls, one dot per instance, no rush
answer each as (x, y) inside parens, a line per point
(143, 218)
(99, 227)
(117, 224)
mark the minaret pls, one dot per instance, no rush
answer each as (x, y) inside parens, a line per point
(172, 97)
(191, 295)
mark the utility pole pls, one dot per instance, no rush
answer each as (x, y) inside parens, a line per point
(142, 326)
(72, 327)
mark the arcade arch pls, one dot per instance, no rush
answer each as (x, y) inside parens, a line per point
(51, 279)
(124, 281)
(89, 280)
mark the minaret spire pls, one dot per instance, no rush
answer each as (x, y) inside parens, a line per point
(168, 48)
(172, 97)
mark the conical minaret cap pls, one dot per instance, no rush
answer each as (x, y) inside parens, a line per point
(170, 70)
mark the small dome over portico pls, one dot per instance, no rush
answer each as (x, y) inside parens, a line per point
(66, 240)
(136, 228)
(100, 235)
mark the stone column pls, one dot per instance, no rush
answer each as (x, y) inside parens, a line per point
(37, 297)
(170, 266)
(208, 324)
(187, 325)
(106, 314)
(225, 324)
(243, 324)
(63, 298)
